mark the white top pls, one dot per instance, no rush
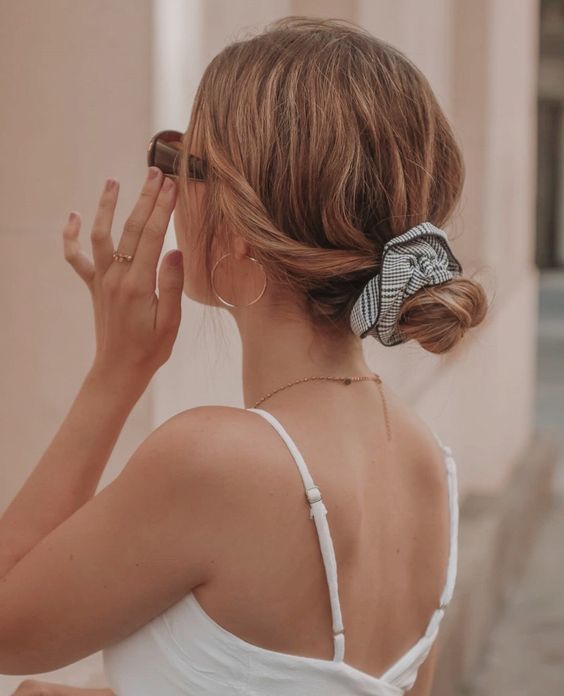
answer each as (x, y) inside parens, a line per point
(183, 651)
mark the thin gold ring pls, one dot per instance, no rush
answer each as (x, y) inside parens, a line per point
(121, 257)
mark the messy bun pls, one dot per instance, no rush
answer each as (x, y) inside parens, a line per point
(322, 143)
(438, 316)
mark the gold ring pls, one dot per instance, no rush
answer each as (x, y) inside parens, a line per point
(121, 257)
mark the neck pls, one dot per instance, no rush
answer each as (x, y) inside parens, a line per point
(279, 349)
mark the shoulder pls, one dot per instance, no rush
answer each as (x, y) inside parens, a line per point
(205, 432)
(221, 473)
(425, 459)
(192, 477)
(138, 546)
(203, 419)
(207, 444)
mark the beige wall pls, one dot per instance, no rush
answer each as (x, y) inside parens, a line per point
(85, 84)
(76, 95)
(76, 108)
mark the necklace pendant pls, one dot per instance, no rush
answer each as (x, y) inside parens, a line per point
(348, 380)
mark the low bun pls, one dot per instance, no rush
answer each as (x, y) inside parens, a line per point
(437, 316)
(323, 144)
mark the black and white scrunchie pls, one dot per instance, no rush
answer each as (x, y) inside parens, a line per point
(410, 261)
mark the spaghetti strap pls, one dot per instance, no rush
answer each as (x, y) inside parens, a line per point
(404, 671)
(318, 512)
(453, 524)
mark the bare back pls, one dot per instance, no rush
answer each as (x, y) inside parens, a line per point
(388, 514)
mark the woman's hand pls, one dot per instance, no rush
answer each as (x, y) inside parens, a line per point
(135, 328)
(34, 687)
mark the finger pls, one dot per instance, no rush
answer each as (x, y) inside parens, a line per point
(135, 223)
(171, 284)
(72, 251)
(101, 234)
(143, 268)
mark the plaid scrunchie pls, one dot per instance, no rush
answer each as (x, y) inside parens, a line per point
(412, 260)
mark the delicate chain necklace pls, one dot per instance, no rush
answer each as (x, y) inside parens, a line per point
(345, 380)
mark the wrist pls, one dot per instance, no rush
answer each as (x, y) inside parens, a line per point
(125, 382)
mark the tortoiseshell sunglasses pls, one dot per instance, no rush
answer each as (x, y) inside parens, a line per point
(164, 152)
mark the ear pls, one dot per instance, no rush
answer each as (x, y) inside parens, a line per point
(239, 247)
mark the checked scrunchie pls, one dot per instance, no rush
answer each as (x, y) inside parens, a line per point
(410, 261)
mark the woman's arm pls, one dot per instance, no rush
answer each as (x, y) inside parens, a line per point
(135, 332)
(68, 473)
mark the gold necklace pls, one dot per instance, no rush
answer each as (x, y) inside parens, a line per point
(345, 380)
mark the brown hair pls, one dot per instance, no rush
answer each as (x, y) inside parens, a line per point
(323, 142)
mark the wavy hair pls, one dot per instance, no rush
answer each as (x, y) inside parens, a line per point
(323, 142)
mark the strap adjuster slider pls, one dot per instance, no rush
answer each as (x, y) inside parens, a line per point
(313, 495)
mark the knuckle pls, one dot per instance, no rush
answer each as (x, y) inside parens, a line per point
(153, 227)
(130, 289)
(110, 284)
(97, 237)
(97, 234)
(165, 199)
(104, 206)
(132, 225)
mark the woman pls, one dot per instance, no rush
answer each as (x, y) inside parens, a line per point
(306, 543)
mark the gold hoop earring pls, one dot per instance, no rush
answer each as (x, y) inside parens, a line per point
(225, 302)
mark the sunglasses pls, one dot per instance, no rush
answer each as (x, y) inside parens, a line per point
(164, 152)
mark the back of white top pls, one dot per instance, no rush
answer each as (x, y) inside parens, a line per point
(184, 651)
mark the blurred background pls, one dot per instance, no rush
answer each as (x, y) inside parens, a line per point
(85, 84)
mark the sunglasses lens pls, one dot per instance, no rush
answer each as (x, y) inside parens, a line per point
(196, 168)
(164, 152)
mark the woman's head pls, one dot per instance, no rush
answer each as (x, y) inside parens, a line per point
(322, 142)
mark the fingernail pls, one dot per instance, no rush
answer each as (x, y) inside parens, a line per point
(73, 216)
(110, 183)
(153, 172)
(175, 257)
(168, 184)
